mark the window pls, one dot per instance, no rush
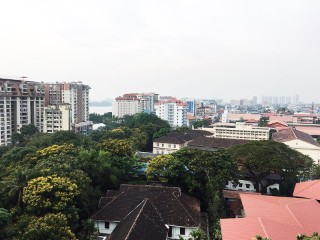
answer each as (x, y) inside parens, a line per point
(182, 231)
(247, 185)
(162, 145)
(106, 225)
(240, 184)
(174, 146)
(170, 232)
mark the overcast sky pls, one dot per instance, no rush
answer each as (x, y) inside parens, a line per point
(210, 49)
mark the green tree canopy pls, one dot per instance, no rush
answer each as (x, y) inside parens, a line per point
(53, 226)
(117, 147)
(258, 159)
(49, 194)
(201, 173)
(5, 217)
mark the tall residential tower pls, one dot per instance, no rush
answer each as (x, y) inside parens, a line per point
(21, 103)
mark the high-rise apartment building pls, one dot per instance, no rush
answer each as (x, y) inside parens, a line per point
(132, 103)
(191, 105)
(282, 100)
(172, 110)
(57, 118)
(296, 99)
(21, 103)
(288, 100)
(75, 93)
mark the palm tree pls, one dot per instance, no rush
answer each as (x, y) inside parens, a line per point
(15, 183)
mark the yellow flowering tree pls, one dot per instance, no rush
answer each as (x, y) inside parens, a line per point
(117, 147)
(165, 168)
(54, 150)
(50, 194)
(53, 226)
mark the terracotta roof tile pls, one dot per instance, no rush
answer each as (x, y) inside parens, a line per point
(309, 189)
(277, 218)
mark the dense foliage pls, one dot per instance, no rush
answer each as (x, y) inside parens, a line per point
(200, 173)
(258, 159)
(142, 128)
(50, 184)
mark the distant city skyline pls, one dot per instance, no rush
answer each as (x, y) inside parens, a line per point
(197, 49)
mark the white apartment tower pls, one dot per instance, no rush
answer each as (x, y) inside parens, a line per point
(21, 103)
(172, 110)
(132, 103)
(57, 118)
(75, 93)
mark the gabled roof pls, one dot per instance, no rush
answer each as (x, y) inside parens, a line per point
(311, 130)
(141, 223)
(252, 121)
(279, 122)
(182, 137)
(277, 218)
(174, 207)
(309, 189)
(290, 134)
(210, 143)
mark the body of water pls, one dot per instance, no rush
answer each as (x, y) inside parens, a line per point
(100, 110)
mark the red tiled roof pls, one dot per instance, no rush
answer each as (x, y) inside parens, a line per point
(252, 121)
(245, 116)
(277, 122)
(288, 118)
(314, 131)
(269, 114)
(309, 189)
(277, 218)
(191, 117)
(305, 115)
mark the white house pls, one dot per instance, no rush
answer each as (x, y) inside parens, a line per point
(239, 130)
(247, 186)
(300, 141)
(147, 212)
(175, 141)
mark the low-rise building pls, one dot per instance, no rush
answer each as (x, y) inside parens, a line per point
(248, 186)
(83, 127)
(308, 189)
(175, 141)
(238, 130)
(214, 144)
(151, 212)
(276, 218)
(299, 141)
